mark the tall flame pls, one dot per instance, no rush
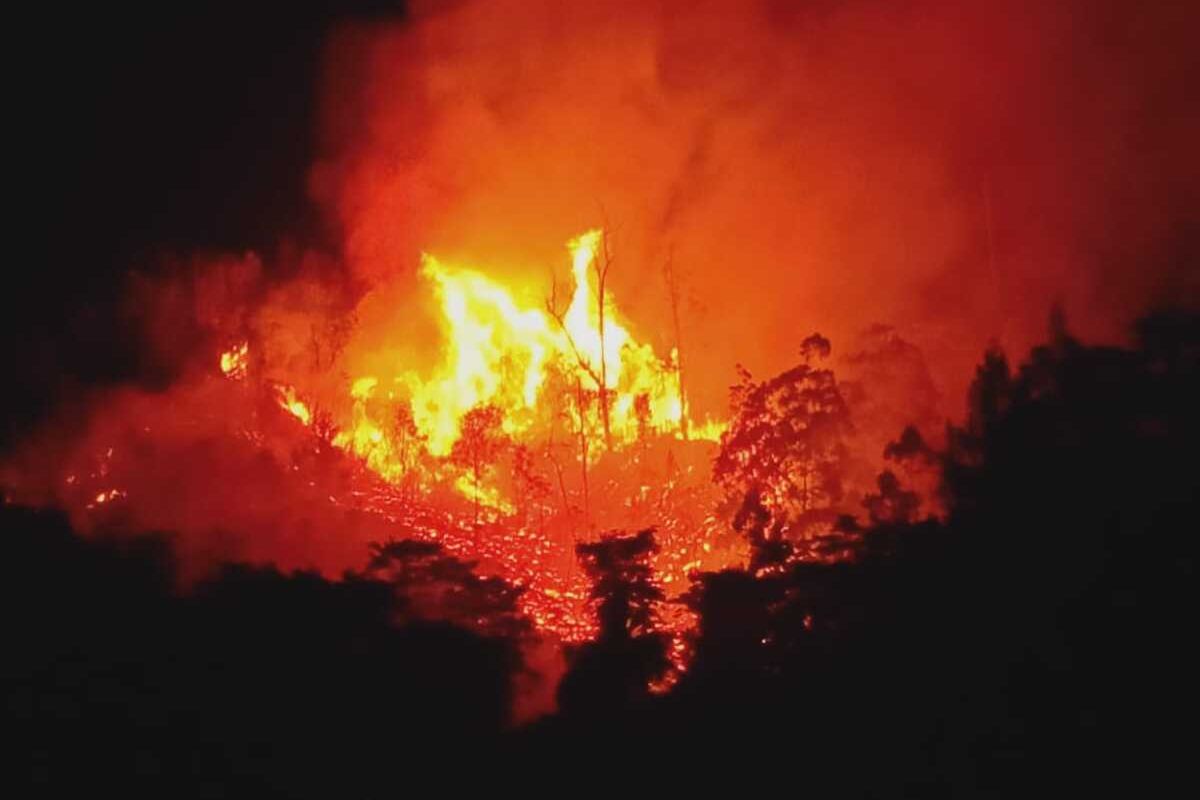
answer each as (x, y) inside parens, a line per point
(499, 352)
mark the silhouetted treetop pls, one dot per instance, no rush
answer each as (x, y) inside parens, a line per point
(429, 584)
(785, 444)
(622, 581)
(613, 673)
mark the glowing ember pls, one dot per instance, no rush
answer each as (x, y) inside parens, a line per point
(293, 405)
(234, 361)
(106, 497)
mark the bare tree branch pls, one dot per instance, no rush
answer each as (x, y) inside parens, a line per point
(673, 295)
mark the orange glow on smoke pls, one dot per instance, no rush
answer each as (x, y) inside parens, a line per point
(769, 176)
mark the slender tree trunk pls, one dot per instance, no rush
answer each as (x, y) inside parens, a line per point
(558, 470)
(404, 465)
(475, 471)
(583, 447)
(562, 486)
(673, 296)
(807, 504)
(683, 401)
(601, 277)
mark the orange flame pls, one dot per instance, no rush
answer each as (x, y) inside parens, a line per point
(500, 352)
(293, 405)
(235, 361)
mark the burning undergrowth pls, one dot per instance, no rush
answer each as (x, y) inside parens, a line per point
(532, 430)
(555, 231)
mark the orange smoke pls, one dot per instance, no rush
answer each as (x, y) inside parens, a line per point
(951, 169)
(760, 170)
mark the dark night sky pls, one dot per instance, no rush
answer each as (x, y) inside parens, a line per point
(179, 129)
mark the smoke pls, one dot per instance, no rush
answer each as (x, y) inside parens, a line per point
(214, 463)
(914, 179)
(948, 169)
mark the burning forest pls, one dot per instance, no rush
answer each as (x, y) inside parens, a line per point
(524, 378)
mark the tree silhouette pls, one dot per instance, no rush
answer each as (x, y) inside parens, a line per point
(892, 503)
(409, 443)
(532, 486)
(248, 680)
(1041, 625)
(784, 448)
(428, 584)
(673, 281)
(614, 671)
(481, 440)
(601, 263)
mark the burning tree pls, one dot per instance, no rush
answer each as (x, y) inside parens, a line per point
(576, 369)
(592, 249)
(532, 486)
(479, 446)
(409, 443)
(569, 407)
(674, 296)
(601, 263)
(782, 455)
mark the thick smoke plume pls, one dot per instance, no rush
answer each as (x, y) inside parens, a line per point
(949, 169)
(915, 180)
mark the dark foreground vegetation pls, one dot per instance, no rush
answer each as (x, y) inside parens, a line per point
(1043, 630)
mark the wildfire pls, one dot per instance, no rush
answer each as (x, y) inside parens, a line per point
(106, 497)
(543, 369)
(235, 360)
(502, 353)
(515, 376)
(293, 405)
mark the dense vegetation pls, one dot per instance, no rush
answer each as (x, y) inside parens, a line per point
(1039, 626)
